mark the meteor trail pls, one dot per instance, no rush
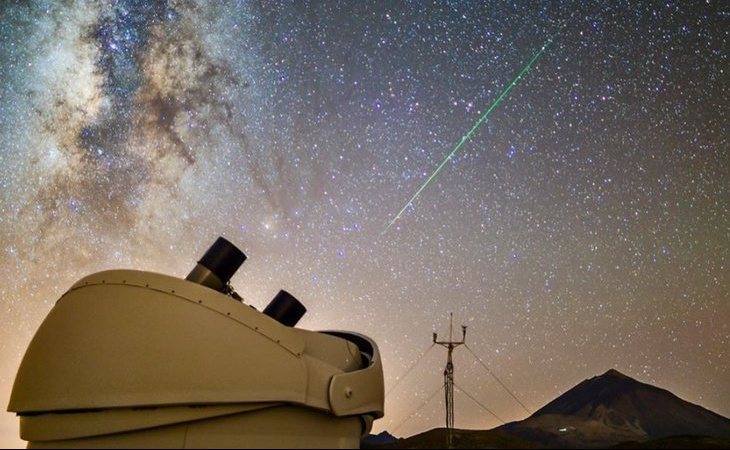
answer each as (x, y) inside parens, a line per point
(476, 126)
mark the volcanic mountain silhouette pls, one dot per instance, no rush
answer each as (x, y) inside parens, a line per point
(599, 412)
(622, 403)
(612, 408)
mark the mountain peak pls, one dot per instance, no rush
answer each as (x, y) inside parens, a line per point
(613, 373)
(621, 404)
(606, 391)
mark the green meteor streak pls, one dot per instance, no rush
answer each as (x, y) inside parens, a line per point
(476, 126)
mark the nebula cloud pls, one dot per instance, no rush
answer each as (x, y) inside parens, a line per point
(130, 104)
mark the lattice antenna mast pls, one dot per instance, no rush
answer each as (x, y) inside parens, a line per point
(450, 345)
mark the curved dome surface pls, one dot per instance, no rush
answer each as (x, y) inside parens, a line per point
(126, 338)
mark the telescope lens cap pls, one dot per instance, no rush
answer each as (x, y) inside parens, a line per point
(223, 259)
(285, 309)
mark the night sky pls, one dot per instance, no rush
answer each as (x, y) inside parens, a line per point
(584, 226)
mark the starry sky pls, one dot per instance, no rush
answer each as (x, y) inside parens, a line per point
(584, 226)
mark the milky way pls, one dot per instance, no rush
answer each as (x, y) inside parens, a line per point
(584, 226)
